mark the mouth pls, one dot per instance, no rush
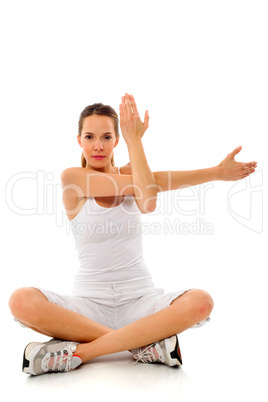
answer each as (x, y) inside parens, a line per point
(98, 157)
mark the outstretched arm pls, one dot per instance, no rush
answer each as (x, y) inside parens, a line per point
(82, 182)
(227, 170)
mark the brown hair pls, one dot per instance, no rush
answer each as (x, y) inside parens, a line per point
(101, 110)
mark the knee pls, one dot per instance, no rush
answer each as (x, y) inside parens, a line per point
(206, 304)
(22, 303)
(203, 304)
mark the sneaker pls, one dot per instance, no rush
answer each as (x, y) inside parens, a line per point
(55, 355)
(166, 351)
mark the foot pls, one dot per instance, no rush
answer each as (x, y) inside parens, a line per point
(55, 355)
(166, 351)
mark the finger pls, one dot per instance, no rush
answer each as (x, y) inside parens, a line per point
(128, 108)
(125, 105)
(127, 97)
(247, 167)
(235, 151)
(121, 112)
(123, 108)
(146, 119)
(250, 164)
(246, 174)
(134, 106)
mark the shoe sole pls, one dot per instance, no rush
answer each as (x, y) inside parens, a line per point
(26, 364)
(27, 367)
(174, 358)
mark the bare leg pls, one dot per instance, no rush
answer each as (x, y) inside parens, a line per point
(187, 310)
(33, 309)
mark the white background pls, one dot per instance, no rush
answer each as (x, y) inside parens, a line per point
(200, 68)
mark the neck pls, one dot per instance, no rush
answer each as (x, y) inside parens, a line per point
(104, 169)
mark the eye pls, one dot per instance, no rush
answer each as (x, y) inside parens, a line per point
(109, 137)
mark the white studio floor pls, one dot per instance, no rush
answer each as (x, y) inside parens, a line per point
(217, 366)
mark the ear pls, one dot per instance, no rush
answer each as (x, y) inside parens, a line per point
(79, 140)
(116, 142)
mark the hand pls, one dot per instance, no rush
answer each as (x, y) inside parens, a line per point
(232, 170)
(130, 122)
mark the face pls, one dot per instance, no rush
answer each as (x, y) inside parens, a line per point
(98, 138)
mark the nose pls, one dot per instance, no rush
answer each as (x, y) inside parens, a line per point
(98, 145)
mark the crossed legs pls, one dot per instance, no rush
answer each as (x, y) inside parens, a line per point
(33, 309)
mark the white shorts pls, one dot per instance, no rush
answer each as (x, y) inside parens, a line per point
(118, 304)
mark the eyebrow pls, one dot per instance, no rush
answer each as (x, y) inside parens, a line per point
(108, 132)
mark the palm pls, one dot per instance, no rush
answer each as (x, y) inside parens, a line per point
(130, 121)
(232, 170)
(140, 127)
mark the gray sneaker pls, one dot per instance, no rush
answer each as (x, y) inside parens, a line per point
(166, 351)
(54, 355)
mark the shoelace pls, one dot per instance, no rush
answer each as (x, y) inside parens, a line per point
(59, 361)
(147, 355)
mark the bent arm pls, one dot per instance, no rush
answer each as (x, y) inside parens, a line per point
(143, 180)
(83, 182)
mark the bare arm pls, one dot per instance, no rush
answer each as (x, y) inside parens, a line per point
(173, 180)
(143, 181)
(81, 182)
(227, 170)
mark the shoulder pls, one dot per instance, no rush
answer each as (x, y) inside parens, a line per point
(73, 170)
(70, 171)
(126, 169)
(77, 171)
(71, 174)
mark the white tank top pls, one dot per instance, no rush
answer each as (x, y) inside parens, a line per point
(109, 243)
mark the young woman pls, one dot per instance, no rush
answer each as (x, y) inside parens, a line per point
(114, 306)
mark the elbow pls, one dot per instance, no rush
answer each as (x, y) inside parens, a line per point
(147, 202)
(148, 206)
